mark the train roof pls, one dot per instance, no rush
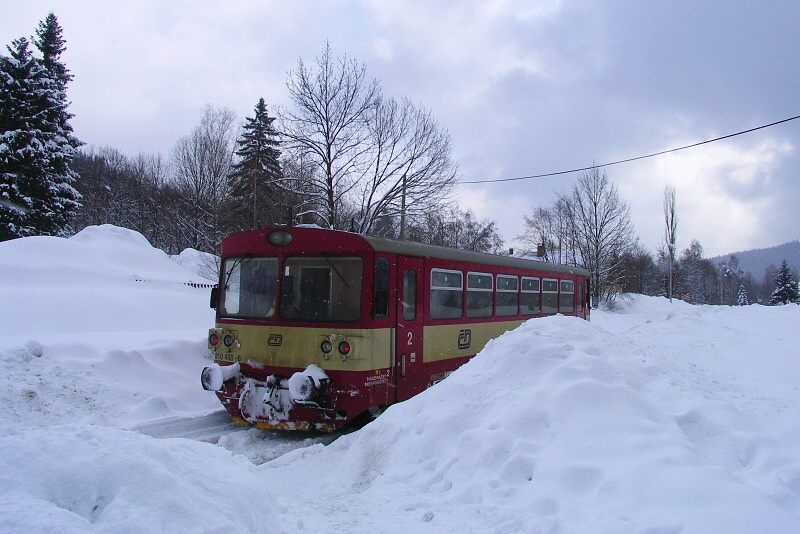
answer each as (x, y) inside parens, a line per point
(310, 239)
(412, 248)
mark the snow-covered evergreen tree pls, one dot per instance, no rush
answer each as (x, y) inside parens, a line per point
(741, 299)
(36, 141)
(786, 287)
(259, 166)
(51, 44)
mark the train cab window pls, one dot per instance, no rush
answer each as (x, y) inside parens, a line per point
(321, 288)
(447, 294)
(507, 295)
(381, 297)
(249, 287)
(479, 295)
(549, 296)
(529, 297)
(409, 295)
(566, 302)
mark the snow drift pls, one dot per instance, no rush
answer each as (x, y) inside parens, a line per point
(565, 426)
(660, 418)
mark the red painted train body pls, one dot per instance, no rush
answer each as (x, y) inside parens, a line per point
(316, 327)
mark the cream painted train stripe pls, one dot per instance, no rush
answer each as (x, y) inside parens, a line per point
(442, 342)
(297, 347)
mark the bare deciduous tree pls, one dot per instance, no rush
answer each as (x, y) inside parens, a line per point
(670, 229)
(373, 158)
(328, 126)
(602, 231)
(548, 234)
(202, 162)
(410, 168)
(456, 229)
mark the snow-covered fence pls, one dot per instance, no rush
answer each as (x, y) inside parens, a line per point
(197, 285)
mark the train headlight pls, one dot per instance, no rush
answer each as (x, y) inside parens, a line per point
(213, 339)
(344, 348)
(279, 238)
(227, 340)
(326, 347)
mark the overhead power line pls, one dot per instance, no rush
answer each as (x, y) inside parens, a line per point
(630, 159)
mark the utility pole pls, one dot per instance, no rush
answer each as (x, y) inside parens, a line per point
(403, 210)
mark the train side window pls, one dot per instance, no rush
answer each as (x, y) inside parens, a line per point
(549, 296)
(409, 295)
(479, 295)
(381, 288)
(507, 295)
(447, 294)
(530, 299)
(566, 302)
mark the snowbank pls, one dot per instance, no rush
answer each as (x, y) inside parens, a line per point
(104, 332)
(78, 478)
(103, 279)
(201, 263)
(564, 426)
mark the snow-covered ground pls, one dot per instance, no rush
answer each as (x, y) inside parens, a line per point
(656, 418)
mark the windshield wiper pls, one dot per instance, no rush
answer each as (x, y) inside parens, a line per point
(237, 262)
(335, 269)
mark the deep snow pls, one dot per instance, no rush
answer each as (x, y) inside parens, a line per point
(659, 417)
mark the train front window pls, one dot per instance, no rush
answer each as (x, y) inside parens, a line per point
(321, 288)
(249, 287)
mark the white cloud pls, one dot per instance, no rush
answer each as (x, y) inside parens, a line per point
(724, 193)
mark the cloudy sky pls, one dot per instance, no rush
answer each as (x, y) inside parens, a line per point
(524, 88)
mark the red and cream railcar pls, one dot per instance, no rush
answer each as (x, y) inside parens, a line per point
(316, 327)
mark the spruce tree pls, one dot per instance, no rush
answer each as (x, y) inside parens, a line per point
(741, 299)
(786, 290)
(36, 140)
(51, 44)
(254, 175)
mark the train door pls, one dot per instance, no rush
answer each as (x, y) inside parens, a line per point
(408, 353)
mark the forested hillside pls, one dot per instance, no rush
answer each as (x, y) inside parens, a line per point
(757, 261)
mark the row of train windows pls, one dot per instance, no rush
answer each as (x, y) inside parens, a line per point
(502, 295)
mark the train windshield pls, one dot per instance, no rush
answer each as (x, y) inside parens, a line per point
(321, 288)
(249, 287)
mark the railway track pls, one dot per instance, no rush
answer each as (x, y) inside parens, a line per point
(208, 428)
